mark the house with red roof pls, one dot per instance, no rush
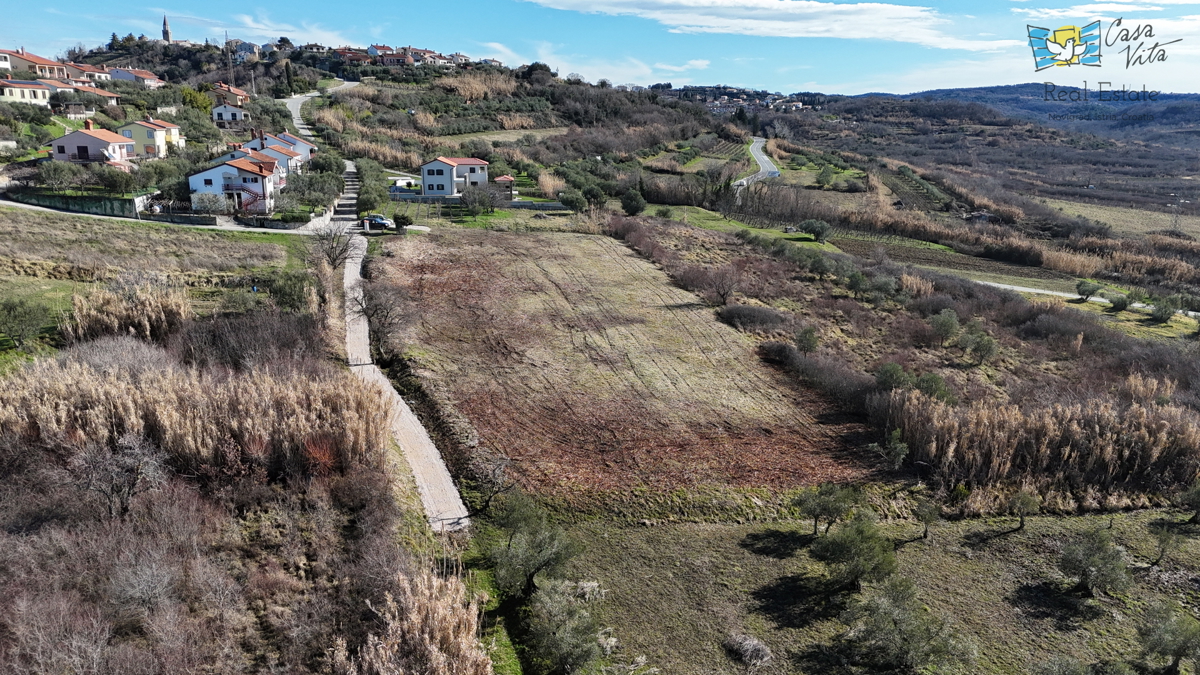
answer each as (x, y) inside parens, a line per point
(152, 138)
(241, 184)
(142, 77)
(25, 91)
(92, 145)
(89, 72)
(379, 50)
(262, 140)
(449, 176)
(289, 162)
(23, 60)
(224, 94)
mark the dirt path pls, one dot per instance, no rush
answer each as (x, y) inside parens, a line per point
(443, 506)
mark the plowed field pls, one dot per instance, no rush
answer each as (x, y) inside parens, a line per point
(581, 362)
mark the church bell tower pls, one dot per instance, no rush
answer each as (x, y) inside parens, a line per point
(166, 30)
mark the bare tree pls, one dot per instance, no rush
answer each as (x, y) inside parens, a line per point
(118, 475)
(725, 281)
(334, 244)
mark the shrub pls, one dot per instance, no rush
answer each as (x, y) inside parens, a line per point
(1170, 632)
(1024, 503)
(534, 546)
(819, 229)
(893, 452)
(945, 324)
(664, 212)
(807, 340)
(1119, 303)
(892, 376)
(562, 630)
(829, 502)
(858, 551)
(1165, 309)
(22, 320)
(1096, 562)
(290, 289)
(893, 630)
(826, 373)
(632, 202)
(933, 386)
(1086, 289)
(751, 318)
(573, 199)
(749, 650)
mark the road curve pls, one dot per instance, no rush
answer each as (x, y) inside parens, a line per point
(294, 102)
(766, 168)
(1060, 294)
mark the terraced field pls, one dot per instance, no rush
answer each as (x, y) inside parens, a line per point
(582, 363)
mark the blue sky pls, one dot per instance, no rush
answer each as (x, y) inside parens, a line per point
(777, 45)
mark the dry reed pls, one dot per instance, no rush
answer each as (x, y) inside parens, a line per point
(479, 86)
(146, 309)
(550, 185)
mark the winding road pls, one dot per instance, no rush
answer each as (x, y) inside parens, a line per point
(766, 168)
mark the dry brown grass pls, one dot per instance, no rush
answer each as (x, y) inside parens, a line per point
(1076, 264)
(516, 121)
(192, 416)
(479, 86)
(383, 154)
(425, 121)
(550, 185)
(917, 287)
(432, 628)
(1104, 443)
(146, 308)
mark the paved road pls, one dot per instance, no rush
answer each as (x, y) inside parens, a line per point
(765, 166)
(443, 506)
(294, 102)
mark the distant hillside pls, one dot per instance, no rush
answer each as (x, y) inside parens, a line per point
(1171, 113)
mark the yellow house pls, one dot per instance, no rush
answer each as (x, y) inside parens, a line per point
(21, 91)
(152, 137)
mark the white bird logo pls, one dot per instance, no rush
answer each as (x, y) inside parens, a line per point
(1065, 52)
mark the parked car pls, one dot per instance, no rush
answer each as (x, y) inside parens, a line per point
(375, 221)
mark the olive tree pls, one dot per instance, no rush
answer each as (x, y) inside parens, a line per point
(532, 545)
(892, 630)
(1097, 564)
(828, 502)
(1024, 503)
(857, 551)
(1170, 632)
(22, 320)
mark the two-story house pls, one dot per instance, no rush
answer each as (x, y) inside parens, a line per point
(143, 77)
(287, 161)
(224, 94)
(152, 138)
(243, 184)
(89, 72)
(380, 50)
(262, 140)
(91, 145)
(449, 176)
(227, 116)
(24, 91)
(23, 60)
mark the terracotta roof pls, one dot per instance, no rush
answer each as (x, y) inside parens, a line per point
(268, 164)
(87, 68)
(23, 84)
(455, 161)
(286, 152)
(97, 92)
(247, 165)
(258, 156)
(105, 135)
(221, 86)
(32, 58)
(144, 74)
(292, 137)
(505, 179)
(154, 124)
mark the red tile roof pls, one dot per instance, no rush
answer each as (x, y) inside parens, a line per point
(455, 161)
(247, 165)
(286, 152)
(97, 92)
(87, 68)
(137, 72)
(105, 135)
(221, 86)
(506, 179)
(32, 58)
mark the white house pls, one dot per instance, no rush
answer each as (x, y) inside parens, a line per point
(23, 91)
(90, 72)
(380, 50)
(142, 77)
(459, 59)
(289, 162)
(237, 184)
(449, 176)
(227, 116)
(91, 145)
(152, 137)
(262, 140)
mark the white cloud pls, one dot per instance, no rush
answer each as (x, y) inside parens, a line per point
(1086, 11)
(694, 64)
(790, 18)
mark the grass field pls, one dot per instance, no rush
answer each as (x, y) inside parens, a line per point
(508, 136)
(675, 592)
(1129, 221)
(582, 363)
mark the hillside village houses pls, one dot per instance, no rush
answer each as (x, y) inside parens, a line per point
(91, 145)
(261, 140)
(227, 116)
(23, 60)
(287, 161)
(449, 176)
(23, 91)
(224, 94)
(142, 77)
(152, 138)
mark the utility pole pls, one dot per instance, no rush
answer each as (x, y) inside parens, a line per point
(229, 58)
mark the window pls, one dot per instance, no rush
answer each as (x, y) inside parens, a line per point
(62, 150)
(129, 149)
(431, 173)
(474, 182)
(221, 116)
(254, 180)
(245, 180)
(208, 181)
(441, 186)
(472, 169)
(441, 172)
(430, 187)
(150, 135)
(127, 133)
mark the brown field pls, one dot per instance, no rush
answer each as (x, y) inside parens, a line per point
(1128, 221)
(947, 260)
(582, 363)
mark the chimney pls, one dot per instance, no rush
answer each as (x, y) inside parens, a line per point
(88, 124)
(149, 118)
